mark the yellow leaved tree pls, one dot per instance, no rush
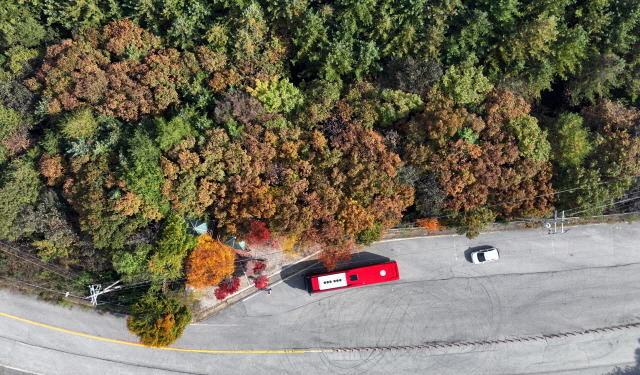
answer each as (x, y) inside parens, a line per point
(209, 263)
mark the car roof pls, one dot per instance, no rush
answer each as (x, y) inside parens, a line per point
(491, 254)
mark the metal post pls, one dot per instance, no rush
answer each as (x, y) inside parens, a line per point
(555, 220)
(95, 292)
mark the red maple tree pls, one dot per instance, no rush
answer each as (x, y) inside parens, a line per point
(227, 288)
(258, 233)
(262, 282)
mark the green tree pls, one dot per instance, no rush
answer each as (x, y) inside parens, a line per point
(320, 98)
(470, 223)
(599, 75)
(465, 84)
(532, 141)
(396, 104)
(91, 189)
(169, 132)
(46, 222)
(21, 39)
(158, 320)
(171, 247)
(255, 52)
(614, 158)
(470, 36)
(277, 95)
(133, 264)
(570, 142)
(183, 24)
(142, 174)
(71, 14)
(20, 187)
(80, 125)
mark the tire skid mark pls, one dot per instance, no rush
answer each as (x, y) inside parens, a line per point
(492, 342)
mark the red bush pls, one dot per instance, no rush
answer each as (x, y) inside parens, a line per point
(221, 294)
(258, 233)
(262, 282)
(228, 287)
(258, 267)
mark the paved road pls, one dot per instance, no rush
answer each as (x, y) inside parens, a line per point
(543, 284)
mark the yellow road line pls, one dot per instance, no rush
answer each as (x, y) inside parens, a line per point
(171, 349)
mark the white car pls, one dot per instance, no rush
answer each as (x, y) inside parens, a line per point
(485, 255)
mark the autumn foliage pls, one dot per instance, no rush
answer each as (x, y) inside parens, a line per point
(303, 122)
(209, 263)
(332, 256)
(119, 72)
(158, 320)
(258, 233)
(431, 225)
(227, 288)
(262, 282)
(259, 267)
(488, 160)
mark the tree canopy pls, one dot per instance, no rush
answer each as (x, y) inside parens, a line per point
(209, 263)
(158, 320)
(328, 122)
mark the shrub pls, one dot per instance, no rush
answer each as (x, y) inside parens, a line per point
(227, 288)
(262, 282)
(429, 224)
(259, 267)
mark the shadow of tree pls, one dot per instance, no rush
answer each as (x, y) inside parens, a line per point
(629, 370)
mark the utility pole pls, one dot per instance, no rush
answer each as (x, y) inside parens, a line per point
(547, 222)
(96, 290)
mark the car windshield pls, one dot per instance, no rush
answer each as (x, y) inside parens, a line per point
(481, 257)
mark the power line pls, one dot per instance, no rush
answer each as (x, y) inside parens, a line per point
(606, 205)
(628, 193)
(37, 262)
(409, 255)
(589, 205)
(161, 280)
(66, 294)
(526, 199)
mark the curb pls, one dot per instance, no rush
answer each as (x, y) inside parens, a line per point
(243, 293)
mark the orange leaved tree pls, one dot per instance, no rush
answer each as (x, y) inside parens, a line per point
(429, 224)
(209, 263)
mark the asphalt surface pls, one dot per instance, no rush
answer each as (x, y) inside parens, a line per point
(583, 280)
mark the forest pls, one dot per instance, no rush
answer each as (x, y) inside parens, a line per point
(323, 122)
